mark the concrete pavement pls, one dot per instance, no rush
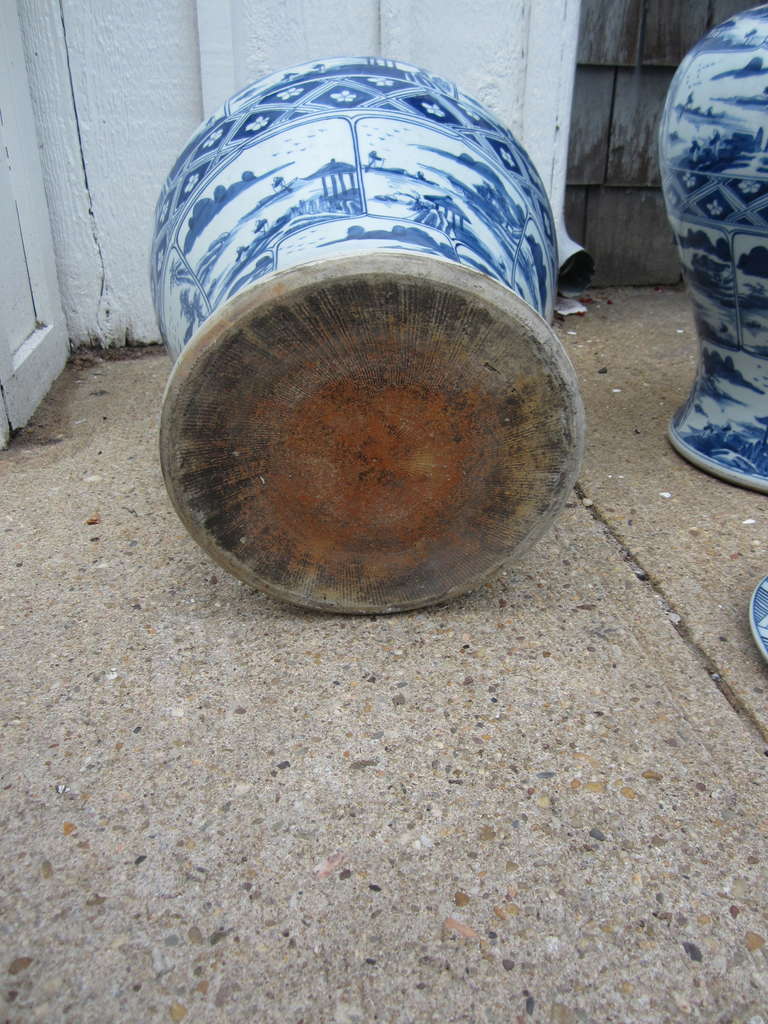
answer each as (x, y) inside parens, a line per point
(544, 802)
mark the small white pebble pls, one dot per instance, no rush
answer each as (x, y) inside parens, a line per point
(679, 331)
(587, 502)
(664, 494)
(616, 391)
(573, 333)
(748, 522)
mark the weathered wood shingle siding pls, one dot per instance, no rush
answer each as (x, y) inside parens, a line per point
(590, 125)
(628, 51)
(671, 29)
(609, 31)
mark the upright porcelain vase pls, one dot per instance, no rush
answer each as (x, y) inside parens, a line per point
(714, 159)
(354, 268)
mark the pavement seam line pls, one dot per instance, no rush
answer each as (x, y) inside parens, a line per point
(744, 713)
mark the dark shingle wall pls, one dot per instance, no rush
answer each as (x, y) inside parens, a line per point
(628, 52)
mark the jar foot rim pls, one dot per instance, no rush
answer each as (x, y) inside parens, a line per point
(714, 468)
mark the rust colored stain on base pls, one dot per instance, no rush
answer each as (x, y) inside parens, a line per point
(367, 446)
(373, 469)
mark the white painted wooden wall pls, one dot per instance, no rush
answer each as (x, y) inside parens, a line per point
(118, 87)
(33, 332)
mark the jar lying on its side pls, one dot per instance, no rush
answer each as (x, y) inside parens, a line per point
(353, 267)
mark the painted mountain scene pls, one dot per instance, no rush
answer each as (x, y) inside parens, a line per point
(710, 118)
(720, 419)
(436, 181)
(706, 259)
(750, 256)
(249, 211)
(365, 234)
(340, 157)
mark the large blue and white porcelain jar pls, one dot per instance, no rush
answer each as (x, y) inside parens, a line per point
(714, 160)
(354, 266)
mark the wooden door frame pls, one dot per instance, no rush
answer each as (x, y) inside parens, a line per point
(27, 373)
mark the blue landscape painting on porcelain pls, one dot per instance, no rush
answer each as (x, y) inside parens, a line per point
(345, 156)
(714, 161)
(758, 616)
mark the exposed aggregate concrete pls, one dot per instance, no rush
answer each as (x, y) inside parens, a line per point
(533, 804)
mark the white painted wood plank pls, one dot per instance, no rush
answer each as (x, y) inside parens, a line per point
(136, 82)
(272, 34)
(77, 256)
(480, 46)
(32, 358)
(217, 52)
(17, 311)
(36, 364)
(517, 58)
(26, 173)
(135, 78)
(550, 66)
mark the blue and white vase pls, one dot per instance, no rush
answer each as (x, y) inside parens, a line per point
(714, 161)
(354, 266)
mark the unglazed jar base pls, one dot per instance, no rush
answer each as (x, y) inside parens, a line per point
(371, 433)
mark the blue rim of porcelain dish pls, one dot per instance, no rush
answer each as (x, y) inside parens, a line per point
(758, 616)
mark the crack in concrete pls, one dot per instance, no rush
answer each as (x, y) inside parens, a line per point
(745, 714)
